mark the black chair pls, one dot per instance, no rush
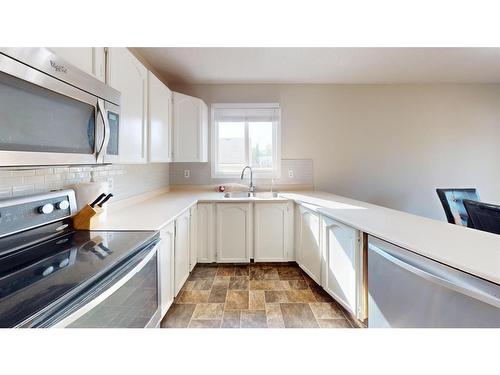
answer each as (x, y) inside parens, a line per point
(452, 201)
(483, 216)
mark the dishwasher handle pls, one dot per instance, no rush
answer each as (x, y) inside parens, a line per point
(433, 271)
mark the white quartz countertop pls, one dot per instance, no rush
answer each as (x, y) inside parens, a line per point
(466, 249)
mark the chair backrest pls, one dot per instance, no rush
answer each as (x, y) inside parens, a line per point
(483, 216)
(452, 201)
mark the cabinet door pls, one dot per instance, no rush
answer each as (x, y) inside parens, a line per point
(342, 251)
(206, 233)
(190, 128)
(193, 234)
(273, 232)
(89, 59)
(167, 267)
(308, 249)
(130, 77)
(234, 232)
(181, 260)
(160, 120)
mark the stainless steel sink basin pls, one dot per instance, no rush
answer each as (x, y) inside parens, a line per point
(244, 194)
(238, 194)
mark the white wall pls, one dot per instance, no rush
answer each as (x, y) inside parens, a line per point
(387, 144)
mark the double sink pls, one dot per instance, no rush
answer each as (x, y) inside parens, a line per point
(246, 194)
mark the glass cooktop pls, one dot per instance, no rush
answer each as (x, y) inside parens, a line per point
(40, 267)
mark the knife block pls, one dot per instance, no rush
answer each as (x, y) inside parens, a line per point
(87, 217)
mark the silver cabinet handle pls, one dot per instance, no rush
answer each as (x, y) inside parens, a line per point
(443, 275)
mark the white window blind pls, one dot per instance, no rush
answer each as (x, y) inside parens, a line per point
(246, 134)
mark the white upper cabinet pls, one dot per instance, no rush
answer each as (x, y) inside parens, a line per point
(89, 59)
(273, 232)
(342, 258)
(160, 120)
(308, 251)
(130, 77)
(234, 232)
(190, 129)
(206, 233)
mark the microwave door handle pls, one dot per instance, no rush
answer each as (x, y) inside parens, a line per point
(106, 135)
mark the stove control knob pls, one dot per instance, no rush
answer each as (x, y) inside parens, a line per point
(62, 205)
(46, 208)
(48, 271)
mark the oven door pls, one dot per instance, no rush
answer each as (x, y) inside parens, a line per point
(128, 298)
(45, 121)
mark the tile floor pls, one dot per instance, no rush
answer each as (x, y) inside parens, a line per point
(257, 295)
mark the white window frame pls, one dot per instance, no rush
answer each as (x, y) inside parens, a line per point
(276, 173)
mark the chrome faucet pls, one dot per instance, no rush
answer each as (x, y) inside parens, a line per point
(251, 187)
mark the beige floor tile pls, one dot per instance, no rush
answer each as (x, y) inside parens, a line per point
(269, 285)
(257, 300)
(298, 284)
(203, 273)
(323, 310)
(334, 323)
(238, 283)
(274, 316)
(253, 319)
(276, 296)
(225, 271)
(205, 323)
(217, 296)
(178, 316)
(264, 274)
(302, 296)
(290, 273)
(241, 270)
(231, 319)
(298, 315)
(236, 299)
(221, 282)
(208, 311)
(194, 296)
(200, 284)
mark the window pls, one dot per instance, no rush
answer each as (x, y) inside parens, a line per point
(246, 134)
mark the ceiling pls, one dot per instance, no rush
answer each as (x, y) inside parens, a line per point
(325, 65)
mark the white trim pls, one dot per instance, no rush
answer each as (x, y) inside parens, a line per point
(276, 173)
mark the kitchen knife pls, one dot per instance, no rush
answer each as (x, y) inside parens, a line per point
(97, 200)
(108, 197)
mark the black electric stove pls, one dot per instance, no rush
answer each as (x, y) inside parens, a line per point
(45, 267)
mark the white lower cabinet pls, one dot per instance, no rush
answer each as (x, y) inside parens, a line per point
(193, 234)
(273, 231)
(341, 270)
(234, 232)
(166, 259)
(206, 233)
(307, 250)
(181, 253)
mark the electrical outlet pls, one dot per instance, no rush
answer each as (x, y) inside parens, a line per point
(111, 184)
(187, 173)
(290, 173)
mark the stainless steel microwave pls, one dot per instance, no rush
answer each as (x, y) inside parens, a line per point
(52, 113)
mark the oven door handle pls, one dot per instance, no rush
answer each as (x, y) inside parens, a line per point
(82, 310)
(106, 131)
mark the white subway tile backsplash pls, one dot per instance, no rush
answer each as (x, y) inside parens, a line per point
(5, 192)
(128, 180)
(23, 190)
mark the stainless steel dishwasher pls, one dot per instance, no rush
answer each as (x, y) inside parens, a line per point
(409, 290)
